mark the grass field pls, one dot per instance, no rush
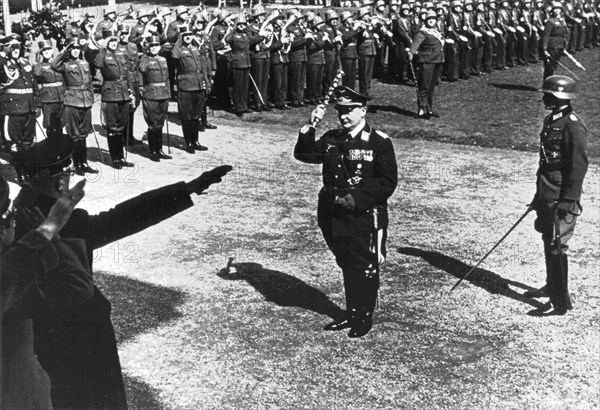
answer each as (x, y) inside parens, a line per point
(193, 335)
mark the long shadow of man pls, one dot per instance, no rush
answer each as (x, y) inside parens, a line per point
(282, 289)
(485, 279)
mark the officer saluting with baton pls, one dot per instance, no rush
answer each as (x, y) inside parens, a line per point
(359, 175)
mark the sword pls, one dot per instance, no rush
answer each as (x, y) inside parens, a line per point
(577, 63)
(98, 145)
(529, 209)
(563, 66)
(168, 134)
(262, 101)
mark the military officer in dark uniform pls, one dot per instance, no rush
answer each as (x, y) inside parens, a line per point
(117, 96)
(174, 29)
(137, 31)
(428, 45)
(315, 61)
(129, 52)
(554, 39)
(155, 92)
(366, 50)
(192, 80)
(222, 82)
(348, 56)
(563, 165)
(297, 64)
(79, 97)
(52, 90)
(77, 347)
(279, 66)
(205, 46)
(240, 42)
(359, 175)
(260, 60)
(331, 48)
(19, 93)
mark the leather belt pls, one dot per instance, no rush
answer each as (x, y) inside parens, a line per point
(78, 87)
(50, 85)
(157, 84)
(18, 90)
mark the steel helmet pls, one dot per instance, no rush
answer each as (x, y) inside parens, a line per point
(560, 86)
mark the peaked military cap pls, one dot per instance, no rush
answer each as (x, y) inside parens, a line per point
(347, 97)
(52, 154)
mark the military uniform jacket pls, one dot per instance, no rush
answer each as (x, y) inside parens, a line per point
(240, 43)
(173, 30)
(556, 33)
(135, 36)
(297, 51)
(258, 51)
(428, 44)
(455, 26)
(278, 56)
(563, 157)
(314, 49)
(77, 79)
(153, 75)
(192, 69)
(402, 31)
(83, 360)
(364, 166)
(116, 85)
(330, 48)
(348, 48)
(19, 88)
(50, 83)
(217, 38)
(206, 48)
(365, 43)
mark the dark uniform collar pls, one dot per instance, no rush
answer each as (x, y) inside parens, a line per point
(555, 116)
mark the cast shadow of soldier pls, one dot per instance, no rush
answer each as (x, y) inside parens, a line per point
(390, 108)
(513, 87)
(283, 289)
(138, 307)
(482, 278)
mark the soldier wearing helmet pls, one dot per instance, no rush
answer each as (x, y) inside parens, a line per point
(331, 47)
(562, 169)
(554, 41)
(348, 56)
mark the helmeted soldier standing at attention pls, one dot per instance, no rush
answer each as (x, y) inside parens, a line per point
(129, 51)
(52, 90)
(428, 45)
(19, 92)
(79, 97)
(348, 56)
(117, 96)
(207, 52)
(155, 93)
(359, 175)
(563, 165)
(192, 80)
(554, 39)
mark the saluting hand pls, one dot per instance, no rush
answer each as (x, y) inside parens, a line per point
(208, 178)
(317, 114)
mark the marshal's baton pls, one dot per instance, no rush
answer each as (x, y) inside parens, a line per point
(563, 66)
(529, 209)
(577, 63)
(334, 83)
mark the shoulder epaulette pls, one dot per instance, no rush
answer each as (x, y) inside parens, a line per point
(573, 117)
(382, 134)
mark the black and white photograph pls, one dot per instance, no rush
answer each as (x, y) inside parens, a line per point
(300, 204)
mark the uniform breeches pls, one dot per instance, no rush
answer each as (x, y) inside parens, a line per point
(21, 130)
(354, 256)
(427, 77)
(190, 104)
(279, 84)
(296, 83)
(115, 116)
(155, 113)
(545, 224)
(350, 66)
(314, 80)
(53, 118)
(365, 73)
(550, 63)
(240, 81)
(78, 121)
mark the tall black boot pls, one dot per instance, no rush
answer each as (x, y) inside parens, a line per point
(159, 145)
(153, 145)
(205, 125)
(111, 138)
(86, 167)
(186, 127)
(121, 138)
(194, 136)
(362, 323)
(557, 284)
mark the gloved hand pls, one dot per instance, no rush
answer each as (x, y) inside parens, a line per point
(346, 202)
(317, 114)
(208, 178)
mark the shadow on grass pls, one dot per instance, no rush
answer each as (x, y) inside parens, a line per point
(514, 87)
(141, 396)
(138, 306)
(283, 289)
(390, 108)
(485, 279)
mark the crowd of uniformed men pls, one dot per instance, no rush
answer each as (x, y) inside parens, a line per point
(259, 61)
